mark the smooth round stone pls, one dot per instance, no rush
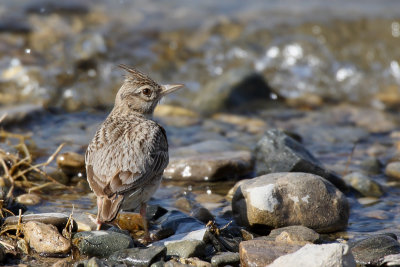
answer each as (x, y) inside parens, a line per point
(202, 214)
(139, 256)
(363, 184)
(57, 219)
(226, 258)
(393, 170)
(71, 163)
(294, 234)
(101, 243)
(28, 199)
(283, 199)
(186, 248)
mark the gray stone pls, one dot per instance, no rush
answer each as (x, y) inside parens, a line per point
(210, 166)
(186, 248)
(202, 214)
(139, 256)
(101, 243)
(226, 258)
(179, 222)
(372, 249)
(283, 199)
(277, 152)
(328, 255)
(295, 233)
(363, 184)
(59, 220)
(393, 169)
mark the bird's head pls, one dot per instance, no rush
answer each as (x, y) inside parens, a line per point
(140, 93)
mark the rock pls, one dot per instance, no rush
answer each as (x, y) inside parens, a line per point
(283, 199)
(371, 165)
(225, 258)
(277, 152)
(44, 238)
(29, 199)
(202, 214)
(327, 255)
(372, 249)
(393, 169)
(391, 260)
(71, 163)
(363, 184)
(199, 235)
(367, 201)
(179, 222)
(295, 234)
(186, 248)
(263, 252)
(62, 263)
(139, 256)
(183, 203)
(85, 222)
(95, 262)
(210, 166)
(232, 89)
(101, 243)
(57, 219)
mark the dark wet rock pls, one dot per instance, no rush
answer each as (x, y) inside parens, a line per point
(317, 256)
(393, 169)
(210, 166)
(29, 199)
(372, 249)
(139, 256)
(294, 234)
(186, 248)
(202, 214)
(101, 243)
(263, 252)
(283, 199)
(48, 7)
(57, 219)
(179, 222)
(19, 114)
(363, 184)
(277, 152)
(225, 258)
(44, 238)
(71, 163)
(231, 90)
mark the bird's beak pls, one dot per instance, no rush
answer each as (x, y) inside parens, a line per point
(169, 88)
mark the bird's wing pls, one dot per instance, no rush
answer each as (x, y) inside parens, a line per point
(120, 160)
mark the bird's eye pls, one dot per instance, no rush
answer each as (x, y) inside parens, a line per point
(146, 92)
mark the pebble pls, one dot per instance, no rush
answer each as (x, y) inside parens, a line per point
(57, 219)
(372, 249)
(179, 222)
(202, 214)
(363, 184)
(210, 166)
(262, 252)
(101, 243)
(29, 199)
(327, 255)
(296, 234)
(186, 248)
(139, 256)
(366, 201)
(251, 125)
(277, 152)
(226, 258)
(71, 163)
(283, 199)
(393, 169)
(44, 238)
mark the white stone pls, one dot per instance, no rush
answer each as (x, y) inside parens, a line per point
(262, 197)
(328, 255)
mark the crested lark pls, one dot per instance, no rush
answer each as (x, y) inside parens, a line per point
(128, 154)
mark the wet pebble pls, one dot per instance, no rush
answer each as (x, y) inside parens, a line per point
(71, 163)
(202, 214)
(263, 252)
(139, 256)
(372, 249)
(179, 222)
(225, 258)
(184, 204)
(277, 152)
(29, 199)
(296, 234)
(44, 238)
(366, 201)
(101, 243)
(283, 199)
(210, 166)
(318, 256)
(393, 169)
(186, 248)
(57, 219)
(363, 184)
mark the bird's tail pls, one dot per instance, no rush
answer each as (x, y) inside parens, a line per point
(108, 208)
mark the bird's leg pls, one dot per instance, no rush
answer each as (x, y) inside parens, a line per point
(99, 205)
(145, 226)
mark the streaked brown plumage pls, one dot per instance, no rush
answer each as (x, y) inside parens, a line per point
(128, 154)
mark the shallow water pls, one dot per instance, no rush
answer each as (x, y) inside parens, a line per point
(336, 52)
